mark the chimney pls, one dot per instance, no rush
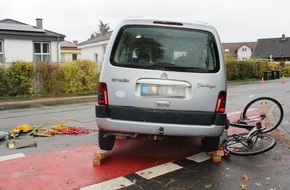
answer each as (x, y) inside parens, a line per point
(75, 42)
(283, 37)
(39, 23)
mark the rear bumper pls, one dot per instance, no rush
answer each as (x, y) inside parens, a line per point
(156, 121)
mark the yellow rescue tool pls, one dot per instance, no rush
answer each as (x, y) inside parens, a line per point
(20, 129)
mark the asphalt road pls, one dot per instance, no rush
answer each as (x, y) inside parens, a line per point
(36, 112)
(266, 171)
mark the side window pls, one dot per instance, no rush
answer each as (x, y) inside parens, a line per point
(209, 58)
(41, 52)
(1, 52)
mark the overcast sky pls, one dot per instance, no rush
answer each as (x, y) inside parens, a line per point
(235, 20)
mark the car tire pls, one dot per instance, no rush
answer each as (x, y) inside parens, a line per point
(210, 143)
(106, 143)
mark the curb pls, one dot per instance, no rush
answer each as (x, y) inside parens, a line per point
(47, 101)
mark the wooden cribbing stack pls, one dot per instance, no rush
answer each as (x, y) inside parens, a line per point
(216, 155)
(99, 158)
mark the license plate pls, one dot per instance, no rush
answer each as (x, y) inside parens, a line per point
(172, 91)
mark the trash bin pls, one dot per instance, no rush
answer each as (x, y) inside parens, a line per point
(278, 74)
(273, 74)
(267, 75)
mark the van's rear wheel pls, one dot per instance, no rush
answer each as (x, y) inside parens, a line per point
(210, 143)
(106, 143)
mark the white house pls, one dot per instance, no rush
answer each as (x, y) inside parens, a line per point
(94, 49)
(24, 42)
(241, 50)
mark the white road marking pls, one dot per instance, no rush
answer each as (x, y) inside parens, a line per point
(11, 156)
(112, 184)
(158, 170)
(200, 157)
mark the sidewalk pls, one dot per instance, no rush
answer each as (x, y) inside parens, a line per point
(46, 101)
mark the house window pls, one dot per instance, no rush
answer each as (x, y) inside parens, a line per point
(41, 52)
(96, 58)
(62, 57)
(1, 52)
(74, 56)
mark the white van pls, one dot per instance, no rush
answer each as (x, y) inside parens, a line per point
(162, 78)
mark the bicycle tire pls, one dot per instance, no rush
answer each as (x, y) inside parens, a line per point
(268, 107)
(236, 144)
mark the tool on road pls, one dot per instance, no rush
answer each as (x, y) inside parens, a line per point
(3, 135)
(39, 130)
(20, 144)
(24, 128)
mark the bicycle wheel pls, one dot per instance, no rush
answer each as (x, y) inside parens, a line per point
(258, 144)
(266, 110)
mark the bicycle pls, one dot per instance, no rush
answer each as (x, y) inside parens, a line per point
(260, 116)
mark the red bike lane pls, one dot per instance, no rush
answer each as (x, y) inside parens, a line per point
(72, 168)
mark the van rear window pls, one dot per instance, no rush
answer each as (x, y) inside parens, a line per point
(165, 48)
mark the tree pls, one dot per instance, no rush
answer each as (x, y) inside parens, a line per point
(103, 29)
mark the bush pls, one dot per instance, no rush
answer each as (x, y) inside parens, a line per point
(285, 71)
(47, 79)
(20, 78)
(88, 75)
(3, 81)
(79, 77)
(232, 70)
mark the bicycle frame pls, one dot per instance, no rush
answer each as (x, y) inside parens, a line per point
(243, 122)
(252, 118)
(257, 129)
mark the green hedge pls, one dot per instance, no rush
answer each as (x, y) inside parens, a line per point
(79, 77)
(3, 81)
(47, 81)
(26, 78)
(252, 69)
(20, 76)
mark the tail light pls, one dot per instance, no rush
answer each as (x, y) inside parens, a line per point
(168, 23)
(221, 102)
(102, 94)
